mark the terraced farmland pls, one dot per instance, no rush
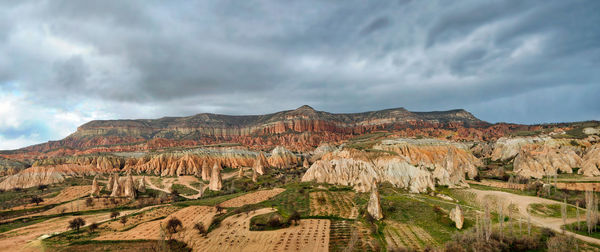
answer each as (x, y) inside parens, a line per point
(349, 236)
(326, 203)
(401, 235)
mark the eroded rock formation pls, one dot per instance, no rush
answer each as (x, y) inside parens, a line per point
(359, 169)
(142, 184)
(449, 161)
(282, 158)
(305, 164)
(259, 165)
(216, 182)
(129, 187)
(374, 205)
(45, 175)
(591, 161)
(544, 160)
(95, 188)
(117, 189)
(456, 215)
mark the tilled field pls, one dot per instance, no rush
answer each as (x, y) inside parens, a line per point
(151, 230)
(349, 236)
(333, 203)
(252, 198)
(137, 219)
(234, 235)
(401, 235)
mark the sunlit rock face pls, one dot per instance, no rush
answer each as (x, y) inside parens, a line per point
(507, 148)
(591, 161)
(456, 215)
(216, 182)
(282, 158)
(95, 188)
(374, 205)
(46, 175)
(359, 169)
(536, 160)
(450, 161)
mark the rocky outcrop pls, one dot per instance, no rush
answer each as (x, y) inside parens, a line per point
(259, 164)
(374, 205)
(507, 148)
(449, 161)
(205, 171)
(358, 169)
(10, 167)
(216, 182)
(105, 163)
(129, 187)
(142, 184)
(117, 189)
(591, 161)
(46, 175)
(111, 183)
(456, 215)
(191, 162)
(282, 158)
(545, 160)
(323, 149)
(305, 164)
(95, 188)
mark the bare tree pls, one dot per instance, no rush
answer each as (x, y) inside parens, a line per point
(76, 223)
(529, 225)
(577, 213)
(563, 213)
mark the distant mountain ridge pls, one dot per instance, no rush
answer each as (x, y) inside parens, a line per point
(299, 129)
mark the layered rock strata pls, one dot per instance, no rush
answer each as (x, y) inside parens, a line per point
(35, 176)
(359, 169)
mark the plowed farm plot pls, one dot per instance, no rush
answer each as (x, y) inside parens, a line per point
(151, 230)
(327, 203)
(349, 236)
(252, 198)
(234, 235)
(137, 219)
(401, 235)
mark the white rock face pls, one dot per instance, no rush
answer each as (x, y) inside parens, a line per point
(129, 187)
(352, 168)
(450, 161)
(323, 149)
(591, 161)
(216, 182)
(117, 188)
(259, 164)
(506, 148)
(591, 131)
(205, 171)
(456, 215)
(542, 160)
(374, 205)
(95, 188)
(282, 158)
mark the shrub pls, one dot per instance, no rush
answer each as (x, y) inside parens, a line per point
(114, 214)
(42, 187)
(89, 202)
(295, 217)
(275, 221)
(36, 200)
(173, 224)
(76, 223)
(123, 220)
(93, 227)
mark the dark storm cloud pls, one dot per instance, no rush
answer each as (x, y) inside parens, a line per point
(129, 59)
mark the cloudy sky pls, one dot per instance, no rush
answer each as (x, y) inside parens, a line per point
(63, 63)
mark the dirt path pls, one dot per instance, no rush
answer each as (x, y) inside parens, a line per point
(522, 202)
